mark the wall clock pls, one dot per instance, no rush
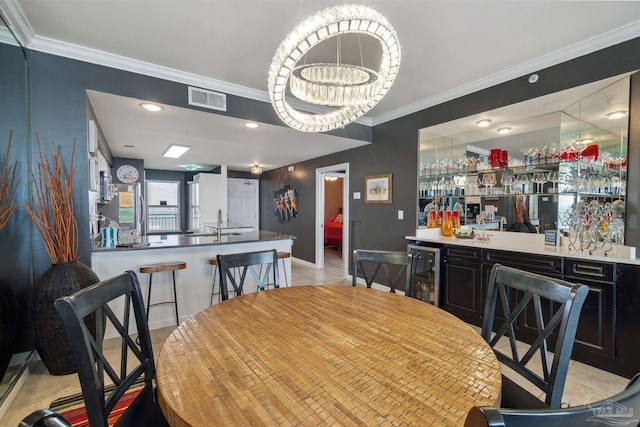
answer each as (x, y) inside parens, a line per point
(127, 174)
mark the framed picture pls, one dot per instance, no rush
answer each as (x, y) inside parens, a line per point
(377, 188)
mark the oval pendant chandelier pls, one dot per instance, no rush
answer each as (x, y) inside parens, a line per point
(353, 89)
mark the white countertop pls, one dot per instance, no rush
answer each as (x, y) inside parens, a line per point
(527, 243)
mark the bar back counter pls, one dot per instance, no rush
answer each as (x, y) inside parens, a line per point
(608, 334)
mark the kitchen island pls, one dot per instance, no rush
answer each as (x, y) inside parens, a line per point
(608, 336)
(194, 284)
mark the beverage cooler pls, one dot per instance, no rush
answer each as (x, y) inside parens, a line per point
(425, 273)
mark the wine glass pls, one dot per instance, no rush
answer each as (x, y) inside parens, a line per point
(507, 181)
(553, 179)
(539, 178)
(472, 183)
(524, 180)
(489, 180)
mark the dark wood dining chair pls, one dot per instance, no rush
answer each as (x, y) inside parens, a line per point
(374, 261)
(94, 366)
(622, 409)
(253, 262)
(44, 418)
(539, 305)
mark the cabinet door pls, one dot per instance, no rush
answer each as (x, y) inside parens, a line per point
(596, 328)
(597, 320)
(627, 340)
(463, 290)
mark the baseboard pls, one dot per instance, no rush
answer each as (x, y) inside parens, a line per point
(17, 386)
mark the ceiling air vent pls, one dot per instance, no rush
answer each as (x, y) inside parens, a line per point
(207, 99)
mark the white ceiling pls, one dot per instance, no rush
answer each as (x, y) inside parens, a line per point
(449, 48)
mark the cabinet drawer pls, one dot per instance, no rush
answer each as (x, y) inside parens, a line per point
(463, 254)
(590, 270)
(540, 264)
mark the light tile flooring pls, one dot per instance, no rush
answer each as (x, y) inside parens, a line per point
(584, 383)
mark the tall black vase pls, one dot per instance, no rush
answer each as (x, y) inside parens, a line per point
(48, 329)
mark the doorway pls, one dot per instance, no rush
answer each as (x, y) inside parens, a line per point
(340, 171)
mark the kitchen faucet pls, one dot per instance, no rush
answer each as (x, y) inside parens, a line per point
(219, 228)
(503, 223)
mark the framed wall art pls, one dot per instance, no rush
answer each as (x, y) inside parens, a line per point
(377, 188)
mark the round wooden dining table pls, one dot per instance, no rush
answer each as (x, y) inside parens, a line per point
(324, 355)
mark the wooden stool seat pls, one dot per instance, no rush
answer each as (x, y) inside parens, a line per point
(163, 266)
(283, 256)
(158, 268)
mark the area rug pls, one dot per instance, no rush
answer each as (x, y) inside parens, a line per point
(73, 409)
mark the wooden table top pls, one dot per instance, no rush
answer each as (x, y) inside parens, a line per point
(324, 355)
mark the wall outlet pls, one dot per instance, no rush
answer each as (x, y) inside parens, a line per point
(356, 195)
(400, 214)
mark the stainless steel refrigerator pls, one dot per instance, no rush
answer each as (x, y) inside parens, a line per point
(127, 210)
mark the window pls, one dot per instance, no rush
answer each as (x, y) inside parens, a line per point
(163, 206)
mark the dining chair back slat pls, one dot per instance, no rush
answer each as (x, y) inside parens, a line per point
(252, 262)
(381, 260)
(549, 308)
(95, 367)
(622, 409)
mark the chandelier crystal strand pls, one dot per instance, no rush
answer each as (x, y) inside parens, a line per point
(354, 89)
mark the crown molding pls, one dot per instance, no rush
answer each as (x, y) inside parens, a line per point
(98, 57)
(7, 37)
(567, 53)
(16, 20)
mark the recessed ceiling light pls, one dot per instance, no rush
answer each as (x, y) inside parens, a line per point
(191, 167)
(616, 115)
(174, 151)
(483, 123)
(251, 125)
(504, 131)
(154, 108)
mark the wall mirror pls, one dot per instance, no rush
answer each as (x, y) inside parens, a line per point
(15, 243)
(540, 156)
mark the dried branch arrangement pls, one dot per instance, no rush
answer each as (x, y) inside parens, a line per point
(520, 207)
(51, 207)
(8, 185)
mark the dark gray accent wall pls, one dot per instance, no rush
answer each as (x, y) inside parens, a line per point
(395, 150)
(15, 238)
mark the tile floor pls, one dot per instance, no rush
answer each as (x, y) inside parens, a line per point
(584, 383)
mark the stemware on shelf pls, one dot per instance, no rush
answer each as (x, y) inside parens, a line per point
(507, 181)
(552, 177)
(539, 178)
(489, 180)
(472, 185)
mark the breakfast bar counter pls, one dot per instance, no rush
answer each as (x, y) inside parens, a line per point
(194, 283)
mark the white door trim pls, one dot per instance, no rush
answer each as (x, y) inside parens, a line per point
(320, 174)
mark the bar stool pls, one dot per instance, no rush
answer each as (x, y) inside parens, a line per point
(158, 268)
(214, 263)
(282, 256)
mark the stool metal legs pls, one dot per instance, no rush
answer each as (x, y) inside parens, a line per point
(284, 269)
(175, 297)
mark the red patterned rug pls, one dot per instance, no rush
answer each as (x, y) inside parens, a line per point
(73, 409)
